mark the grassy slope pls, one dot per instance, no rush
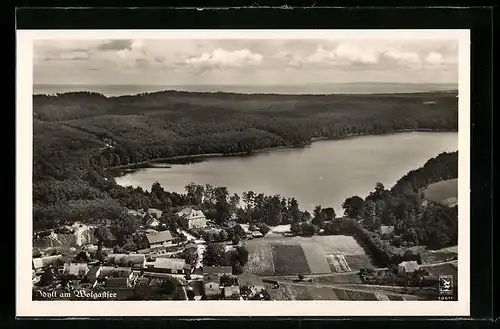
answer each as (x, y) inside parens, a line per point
(445, 192)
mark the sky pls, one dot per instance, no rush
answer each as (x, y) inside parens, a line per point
(244, 61)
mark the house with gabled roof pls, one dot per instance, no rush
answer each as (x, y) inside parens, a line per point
(195, 218)
(160, 239)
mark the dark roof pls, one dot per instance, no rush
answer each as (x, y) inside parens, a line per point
(190, 245)
(111, 271)
(116, 282)
(159, 237)
(126, 259)
(217, 270)
(171, 263)
(249, 279)
(211, 278)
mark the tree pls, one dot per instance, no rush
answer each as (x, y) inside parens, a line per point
(301, 277)
(215, 255)
(236, 240)
(239, 231)
(329, 213)
(82, 256)
(47, 278)
(237, 268)
(168, 287)
(317, 211)
(103, 235)
(353, 207)
(295, 228)
(309, 229)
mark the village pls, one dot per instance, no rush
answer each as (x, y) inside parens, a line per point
(170, 268)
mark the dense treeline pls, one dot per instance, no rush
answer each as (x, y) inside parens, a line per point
(416, 221)
(144, 127)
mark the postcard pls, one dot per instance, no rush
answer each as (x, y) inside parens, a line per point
(242, 173)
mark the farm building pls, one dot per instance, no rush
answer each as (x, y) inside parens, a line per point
(252, 281)
(211, 285)
(217, 270)
(116, 283)
(232, 292)
(78, 270)
(195, 218)
(172, 266)
(160, 239)
(155, 213)
(386, 229)
(132, 260)
(407, 267)
(41, 262)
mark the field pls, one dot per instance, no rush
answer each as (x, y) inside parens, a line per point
(345, 294)
(276, 255)
(435, 256)
(445, 192)
(301, 292)
(289, 259)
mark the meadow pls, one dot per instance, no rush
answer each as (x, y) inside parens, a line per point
(444, 192)
(276, 255)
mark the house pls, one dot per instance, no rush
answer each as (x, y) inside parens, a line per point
(386, 229)
(41, 262)
(195, 218)
(116, 283)
(211, 286)
(78, 270)
(114, 272)
(153, 222)
(132, 260)
(407, 267)
(253, 282)
(217, 270)
(162, 238)
(155, 213)
(257, 234)
(172, 266)
(232, 292)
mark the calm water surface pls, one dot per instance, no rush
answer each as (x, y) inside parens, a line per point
(324, 173)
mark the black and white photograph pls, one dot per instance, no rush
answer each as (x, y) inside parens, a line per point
(252, 167)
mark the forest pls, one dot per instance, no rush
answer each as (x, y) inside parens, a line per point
(76, 130)
(78, 136)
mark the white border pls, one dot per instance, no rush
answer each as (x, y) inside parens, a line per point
(24, 125)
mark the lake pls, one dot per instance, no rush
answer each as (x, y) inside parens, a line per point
(324, 173)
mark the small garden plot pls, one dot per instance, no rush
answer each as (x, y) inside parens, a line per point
(345, 294)
(357, 262)
(289, 259)
(381, 297)
(315, 258)
(338, 244)
(338, 263)
(298, 292)
(260, 259)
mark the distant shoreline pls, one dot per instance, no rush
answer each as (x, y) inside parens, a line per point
(238, 89)
(142, 164)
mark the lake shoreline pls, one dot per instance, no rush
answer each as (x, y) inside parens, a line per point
(143, 164)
